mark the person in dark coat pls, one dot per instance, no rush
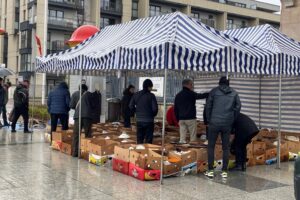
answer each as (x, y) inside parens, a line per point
(185, 110)
(2, 97)
(222, 108)
(97, 99)
(126, 112)
(144, 104)
(4, 111)
(87, 108)
(21, 106)
(59, 106)
(244, 129)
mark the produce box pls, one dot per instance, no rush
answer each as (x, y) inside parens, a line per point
(66, 147)
(120, 166)
(56, 145)
(202, 166)
(97, 160)
(259, 148)
(186, 157)
(143, 174)
(102, 147)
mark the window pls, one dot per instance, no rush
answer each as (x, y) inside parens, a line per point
(25, 62)
(155, 11)
(195, 15)
(210, 17)
(229, 23)
(56, 13)
(244, 24)
(24, 15)
(25, 39)
(173, 10)
(48, 40)
(135, 7)
(106, 22)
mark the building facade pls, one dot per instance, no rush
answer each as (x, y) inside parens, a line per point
(24, 19)
(290, 18)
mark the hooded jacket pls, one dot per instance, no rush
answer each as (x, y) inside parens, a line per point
(21, 97)
(223, 106)
(59, 100)
(244, 129)
(185, 104)
(144, 104)
(87, 107)
(127, 95)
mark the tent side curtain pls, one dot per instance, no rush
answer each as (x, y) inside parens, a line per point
(173, 41)
(259, 97)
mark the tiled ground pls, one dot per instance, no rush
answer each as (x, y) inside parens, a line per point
(30, 170)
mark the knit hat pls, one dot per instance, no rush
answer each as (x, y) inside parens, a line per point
(147, 83)
(224, 81)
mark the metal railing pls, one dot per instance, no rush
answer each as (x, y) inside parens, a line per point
(76, 3)
(209, 22)
(70, 23)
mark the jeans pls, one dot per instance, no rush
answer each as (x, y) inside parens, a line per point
(127, 123)
(20, 111)
(4, 116)
(87, 125)
(64, 119)
(213, 133)
(188, 126)
(145, 132)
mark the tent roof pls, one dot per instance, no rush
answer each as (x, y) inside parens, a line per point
(174, 41)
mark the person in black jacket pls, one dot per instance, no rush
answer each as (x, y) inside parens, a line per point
(244, 129)
(126, 112)
(222, 108)
(144, 104)
(2, 97)
(185, 110)
(87, 108)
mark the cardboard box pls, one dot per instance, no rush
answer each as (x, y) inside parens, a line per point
(251, 162)
(97, 160)
(145, 158)
(260, 159)
(190, 169)
(120, 166)
(84, 144)
(142, 174)
(293, 147)
(271, 153)
(171, 169)
(66, 147)
(84, 155)
(56, 145)
(122, 152)
(259, 148)
(201, 154)
(61, 136)
(202, 166)
(186, 157)
(102, 147)
(250, 150)
(218, 152)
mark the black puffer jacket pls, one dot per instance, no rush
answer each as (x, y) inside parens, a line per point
(127, 95)
(87, 107)
(145, 106)
(185, 104)
(244, 129)
(223, 106)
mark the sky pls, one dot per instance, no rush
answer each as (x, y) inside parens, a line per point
(277, 2)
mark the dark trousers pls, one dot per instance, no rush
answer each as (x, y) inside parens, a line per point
(20, 111)
(87, 125)
(145, 132)
(239, 146)
(213, 133)
(64, 119)
(4, 116)
(127, 123)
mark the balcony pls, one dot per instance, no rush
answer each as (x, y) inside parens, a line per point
(57, 46)
(63, 24)
(236, 26)
(77, 4)
(111, 7)
(26, 26)
(209, 22)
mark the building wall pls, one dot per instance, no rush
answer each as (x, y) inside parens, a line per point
(290, 20)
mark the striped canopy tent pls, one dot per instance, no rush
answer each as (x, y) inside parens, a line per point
(174, 42)
(269, 38)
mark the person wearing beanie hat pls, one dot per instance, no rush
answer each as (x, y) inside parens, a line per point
(144, 104)
(222, 108)
(126, 112)
(185, 110)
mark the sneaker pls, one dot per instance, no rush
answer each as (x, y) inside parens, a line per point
(210, 173)
(224, 174)
(13, 131)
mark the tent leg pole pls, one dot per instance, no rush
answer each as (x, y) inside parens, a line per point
(163, 129)
(79, 118)
(279, 121)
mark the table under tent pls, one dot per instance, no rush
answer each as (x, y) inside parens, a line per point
(168, 45)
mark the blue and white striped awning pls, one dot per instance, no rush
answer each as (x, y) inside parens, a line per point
(174, 41)
(269, 38)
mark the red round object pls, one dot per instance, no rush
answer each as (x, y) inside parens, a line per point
(2, 31)
(82, 33)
